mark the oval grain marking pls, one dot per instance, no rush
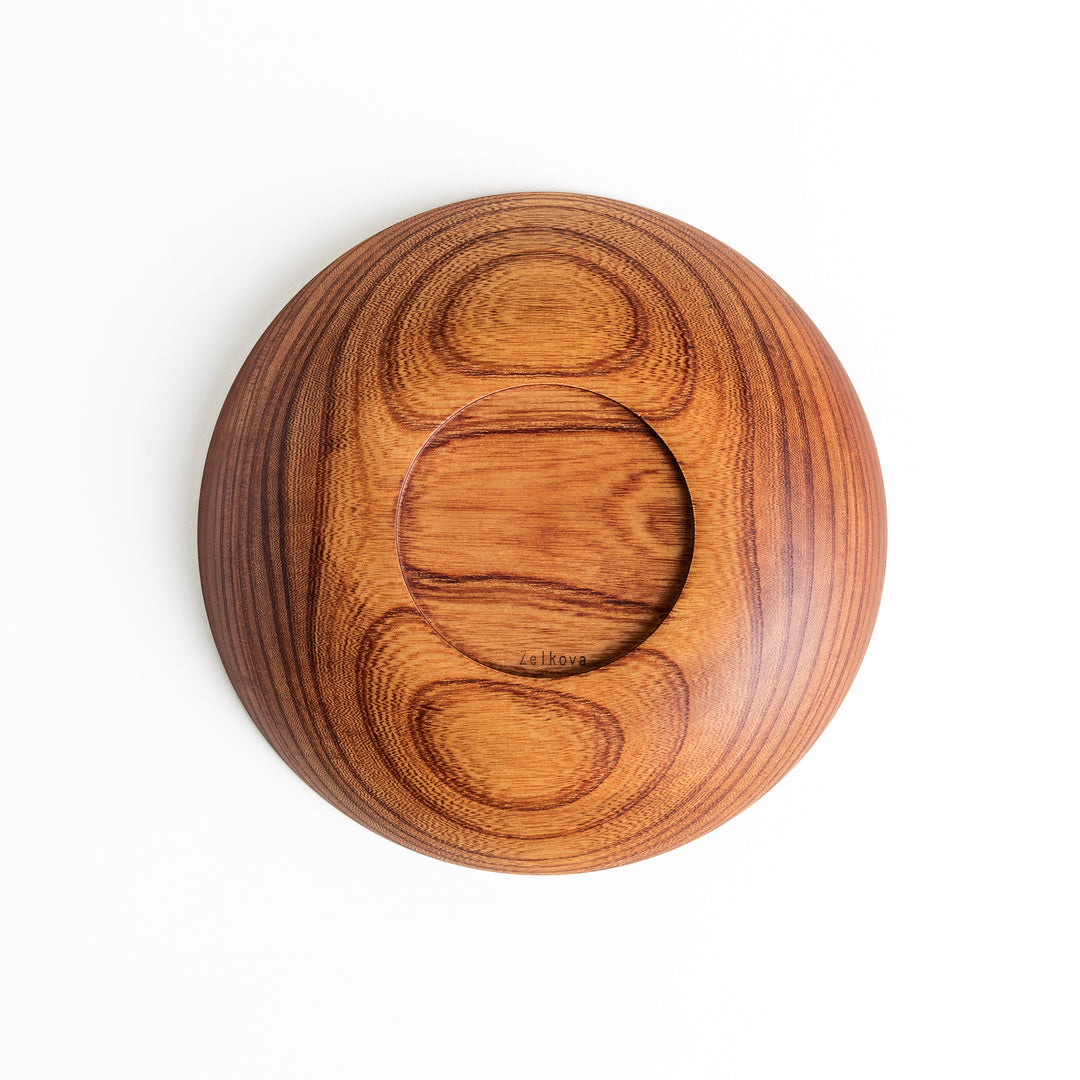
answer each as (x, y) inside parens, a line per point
(540, 314)
(417, 355)
(644, 689)
(543, 750)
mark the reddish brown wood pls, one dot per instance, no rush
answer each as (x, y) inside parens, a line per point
(515, 431)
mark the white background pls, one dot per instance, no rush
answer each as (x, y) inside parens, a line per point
(178, 904)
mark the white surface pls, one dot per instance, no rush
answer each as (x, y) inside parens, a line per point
(178, 904)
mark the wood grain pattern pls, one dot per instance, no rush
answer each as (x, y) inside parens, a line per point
(541, 426)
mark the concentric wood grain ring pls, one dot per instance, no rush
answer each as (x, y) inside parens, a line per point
(522, 429)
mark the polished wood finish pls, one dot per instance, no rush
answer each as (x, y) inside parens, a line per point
(515, 431)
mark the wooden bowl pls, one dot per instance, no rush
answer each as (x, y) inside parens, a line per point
(541, 533)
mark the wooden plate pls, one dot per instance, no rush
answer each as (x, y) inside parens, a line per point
(541, 533)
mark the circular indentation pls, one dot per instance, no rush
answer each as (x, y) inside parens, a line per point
(544, 530)
(546, 750)
(539, 313)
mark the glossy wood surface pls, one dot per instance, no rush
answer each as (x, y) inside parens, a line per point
(515, 431)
